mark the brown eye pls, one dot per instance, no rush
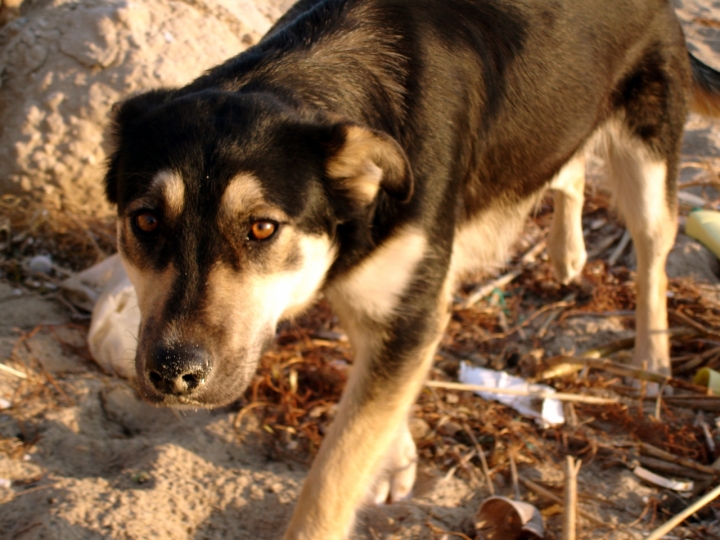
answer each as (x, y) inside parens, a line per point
(146, 222)
(262, 230)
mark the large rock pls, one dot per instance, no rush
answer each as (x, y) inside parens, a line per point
(63, 63)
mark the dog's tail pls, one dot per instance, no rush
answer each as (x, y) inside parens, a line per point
(705, 97)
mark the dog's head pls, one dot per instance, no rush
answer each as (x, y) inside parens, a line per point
(229, 207)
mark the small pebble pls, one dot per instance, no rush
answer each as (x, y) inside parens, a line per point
(5, 483)
(449, 429)
(4, 404)
(41, 263)
(418, 428)
(452, 399)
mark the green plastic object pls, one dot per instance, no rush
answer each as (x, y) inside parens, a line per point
(704, 226)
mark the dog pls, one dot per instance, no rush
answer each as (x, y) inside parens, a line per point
(377, 151)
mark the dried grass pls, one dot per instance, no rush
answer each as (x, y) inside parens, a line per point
(74, 238)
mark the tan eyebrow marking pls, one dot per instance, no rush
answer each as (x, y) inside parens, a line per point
(172, 188)
(243, 192)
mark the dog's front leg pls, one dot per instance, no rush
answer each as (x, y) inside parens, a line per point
(392, 360)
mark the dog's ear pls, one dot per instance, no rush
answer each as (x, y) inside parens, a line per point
(124, 115)
(367, 161)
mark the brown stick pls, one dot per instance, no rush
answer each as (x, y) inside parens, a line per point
(629, 343)
(673, 469)
(483, 461)
(604, 245)
(615, 255)
(622, 370)
(696, 325)
(703, 403)
(653, 451)
(570, 511)
(540, 394)
(514, 476)
(537, 488)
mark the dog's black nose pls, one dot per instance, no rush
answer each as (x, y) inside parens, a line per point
(178, 370)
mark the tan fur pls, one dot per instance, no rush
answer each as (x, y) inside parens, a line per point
(396, 477)
(363, 161)
(167, 189)
(375, 286)
(704, 102)
(484, 243)
(357, 445)
(565, 243)
(704, 97)
(638, 182)
(286, 293)
(152, 288)
(241, 196)
(172, 189)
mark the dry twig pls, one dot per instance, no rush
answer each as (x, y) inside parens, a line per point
(12, 371)
(539, 394)
(622, 370)
(570, 511)
(537, 488)
(653, 451)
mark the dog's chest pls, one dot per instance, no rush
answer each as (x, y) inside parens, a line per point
(483, 242)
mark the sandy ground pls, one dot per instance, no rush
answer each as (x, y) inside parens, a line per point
(82, 458)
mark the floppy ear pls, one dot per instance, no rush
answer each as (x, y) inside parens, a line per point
(126, 113)
(368, 161)
(124, 116)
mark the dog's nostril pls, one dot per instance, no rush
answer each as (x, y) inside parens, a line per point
(192, 380)
(155, 379)
(178, 370)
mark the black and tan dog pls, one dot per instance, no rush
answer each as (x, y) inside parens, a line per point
(377, 150)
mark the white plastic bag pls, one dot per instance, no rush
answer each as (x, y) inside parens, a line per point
(112, 338)
(551, 411)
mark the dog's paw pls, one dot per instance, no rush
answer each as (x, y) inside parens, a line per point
(395, 480)
(568, 259)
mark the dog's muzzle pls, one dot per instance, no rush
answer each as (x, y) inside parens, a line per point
(179, 370)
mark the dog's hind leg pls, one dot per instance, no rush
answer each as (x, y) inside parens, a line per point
(565, 243)
(643, 185)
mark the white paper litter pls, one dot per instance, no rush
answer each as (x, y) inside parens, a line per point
(550, 413)
(106, 290)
